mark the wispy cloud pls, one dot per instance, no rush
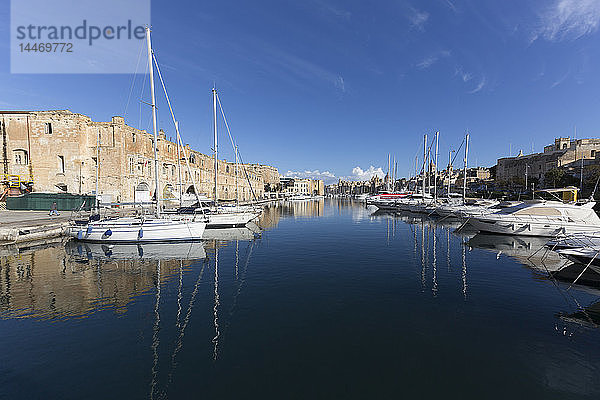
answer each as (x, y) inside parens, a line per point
(432, 59)
(470, 78)
(417, 18)
(333, 10)
(450, 5)
(560, 80)
(480, 85)
(465, 76)
(568, 20)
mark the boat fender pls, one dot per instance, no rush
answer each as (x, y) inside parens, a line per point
(79, 236)
(89, 230)
(140, 233)
(108, 233)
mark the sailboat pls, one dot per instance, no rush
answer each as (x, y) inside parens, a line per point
(141, 229)
(219, 216)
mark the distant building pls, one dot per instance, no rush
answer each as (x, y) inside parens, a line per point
(565, 152)
(302, 186)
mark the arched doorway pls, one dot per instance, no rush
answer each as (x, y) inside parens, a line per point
(142, 193)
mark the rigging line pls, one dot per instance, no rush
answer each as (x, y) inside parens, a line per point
(179, 141)
(235, 149)
(457, 151)
(142, 93)
(133, 80)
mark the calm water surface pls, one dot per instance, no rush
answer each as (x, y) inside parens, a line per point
(330, 300)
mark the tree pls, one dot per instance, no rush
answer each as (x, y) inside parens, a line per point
(554, 175)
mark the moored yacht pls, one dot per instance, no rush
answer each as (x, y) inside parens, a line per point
(540, 218)
(140, 229)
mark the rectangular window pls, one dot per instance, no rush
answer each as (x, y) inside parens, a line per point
(131, 165)
(48, 128)
(61, 164)
(593, 153)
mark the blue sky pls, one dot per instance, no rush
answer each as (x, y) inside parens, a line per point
(332, 87)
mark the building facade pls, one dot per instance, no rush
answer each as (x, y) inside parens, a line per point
(61, 151)
(564, 152)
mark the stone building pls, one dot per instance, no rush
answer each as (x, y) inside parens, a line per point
(304, 187)
(563, 153)
(61, 151)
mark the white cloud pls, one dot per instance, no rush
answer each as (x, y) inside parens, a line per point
(327, 176)
(358, 174)
(479, 86)
(418, 18)
(465, 76)
(569, 20)
(339, 83)
(432, 59)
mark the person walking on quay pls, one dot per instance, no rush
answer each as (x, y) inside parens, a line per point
(54, 209)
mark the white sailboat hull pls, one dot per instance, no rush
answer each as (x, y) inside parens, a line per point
(136, 230)
(230, 220)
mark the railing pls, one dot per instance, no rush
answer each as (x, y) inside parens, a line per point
(14, 181)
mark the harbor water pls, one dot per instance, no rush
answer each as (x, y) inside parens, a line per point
(329, 300)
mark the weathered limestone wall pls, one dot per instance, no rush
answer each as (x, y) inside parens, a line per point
(59, 149)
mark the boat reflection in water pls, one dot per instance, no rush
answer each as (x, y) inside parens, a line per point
(142, 251)
(527, 250)
(434, 236)
(72, 280)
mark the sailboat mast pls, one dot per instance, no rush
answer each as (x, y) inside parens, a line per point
(237, 200)
(215, 139)
(437, 138)
(449, 170)
(389, 171)
(424, 161)
(156, 178)
(465, 170)
(97, 169)
(179, 180)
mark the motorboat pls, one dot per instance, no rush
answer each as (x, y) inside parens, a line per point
(540, 218)
(589, 256)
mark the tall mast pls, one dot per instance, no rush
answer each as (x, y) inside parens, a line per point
(237, 200)
(179, 180)
(156, 178)
(97, 169)
(437, 137)
(416, 172)
(215, 139)
(465, 171)
(428, 171)
(424, 162)
(449, 170)
(389, 172)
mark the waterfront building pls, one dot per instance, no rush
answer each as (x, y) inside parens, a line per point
(565, 152)
(61, 151)
(302, 186)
